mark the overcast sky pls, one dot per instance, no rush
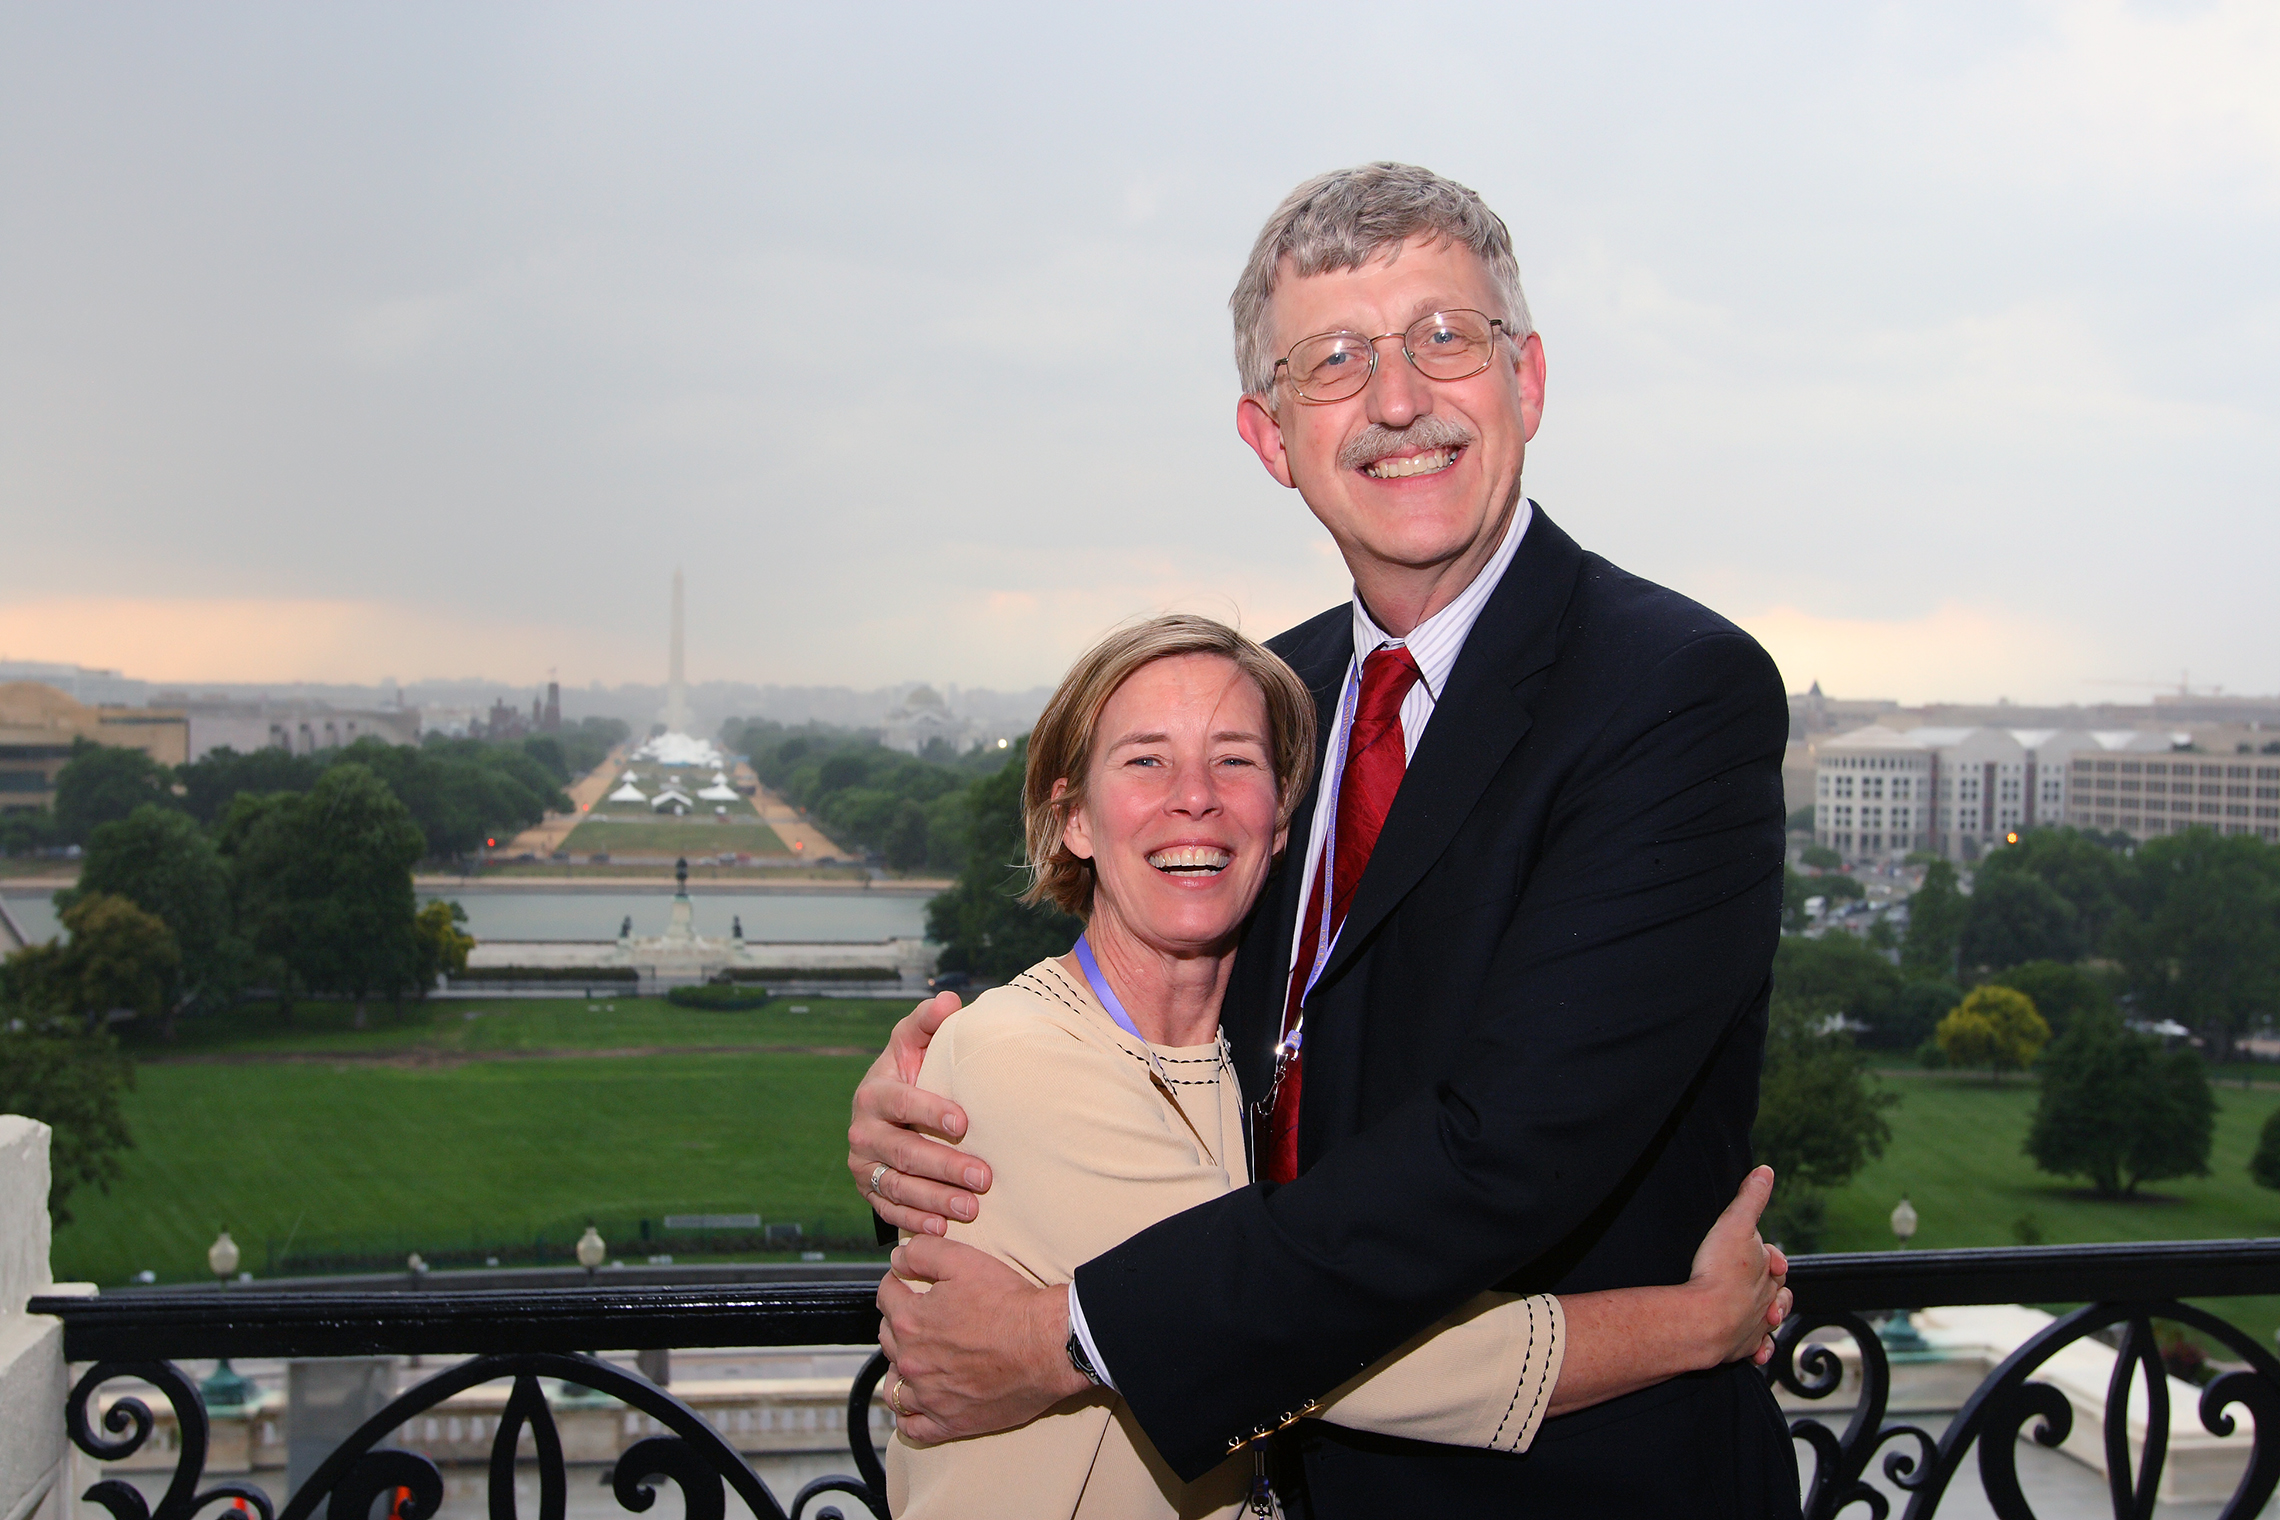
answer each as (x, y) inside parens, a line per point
(1935, 344)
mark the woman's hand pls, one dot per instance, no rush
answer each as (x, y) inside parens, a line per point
(921, 1189)
(1738, 1279)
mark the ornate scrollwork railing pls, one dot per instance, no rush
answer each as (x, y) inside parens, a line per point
(520, 1337)
(2131, 1287)
(523, 1337)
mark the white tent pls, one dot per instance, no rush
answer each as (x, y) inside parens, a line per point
(671, 797)
(719, 792)
(627, 791)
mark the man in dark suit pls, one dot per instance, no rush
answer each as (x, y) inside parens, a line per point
(1507, 995)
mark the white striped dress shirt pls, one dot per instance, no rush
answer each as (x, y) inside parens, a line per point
(1434, 644)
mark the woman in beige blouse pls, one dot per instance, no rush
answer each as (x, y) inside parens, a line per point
(1161, 780)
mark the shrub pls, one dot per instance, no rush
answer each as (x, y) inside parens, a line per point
(720, 996)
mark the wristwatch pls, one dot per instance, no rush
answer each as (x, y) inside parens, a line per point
(1082, 1362)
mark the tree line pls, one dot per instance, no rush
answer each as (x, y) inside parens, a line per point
(461, 792)
(911, 809)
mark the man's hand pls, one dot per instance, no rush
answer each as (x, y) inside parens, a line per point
(1740, 1278)
(980, 1350)
(926, 1184)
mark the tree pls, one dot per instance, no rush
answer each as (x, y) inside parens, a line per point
(2117, 1108)
(214, 780)
(1916, 1014)
(2199, 937)
(2016, 917)
(1935, 924)
(2264, 1166)
(1820, 857)
(2060, 993)
(119, 959)
(906, 837)
(980, 924)
(1994, 1027)
(327, 883)
(69, 1077)
(1817, 1122)
(443, 945)
(1801, 821)
(101, 783)
(1841, 885)
(27, 830)
(2084, 871)
(162, 862)
(1837, 974)
(1794, 890)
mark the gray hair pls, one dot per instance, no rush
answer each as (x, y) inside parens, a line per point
(1344, 219)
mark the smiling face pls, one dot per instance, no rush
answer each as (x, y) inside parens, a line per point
(1178, 807)
(1415, 478)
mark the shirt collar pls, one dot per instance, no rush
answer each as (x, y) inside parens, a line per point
(1435, 643)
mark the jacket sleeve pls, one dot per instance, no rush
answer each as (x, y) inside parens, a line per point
(1642, 938)
(1483, 1377)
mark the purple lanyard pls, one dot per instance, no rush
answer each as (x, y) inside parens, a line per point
(1107, 998)
(1105, 993)
(1324, 940)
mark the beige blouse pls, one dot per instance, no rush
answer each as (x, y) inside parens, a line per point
(1089, 1149)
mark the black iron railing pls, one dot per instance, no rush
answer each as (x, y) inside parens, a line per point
(524, 1336)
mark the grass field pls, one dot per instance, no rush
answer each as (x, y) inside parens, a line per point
(406, 1133)
(497, 1120)
(1955, 1154)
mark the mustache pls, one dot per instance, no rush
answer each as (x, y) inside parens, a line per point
(1376, 441)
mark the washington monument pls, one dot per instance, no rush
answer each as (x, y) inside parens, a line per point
(676, 714)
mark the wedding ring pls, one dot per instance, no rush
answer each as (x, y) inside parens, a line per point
(894, 1399)
(877, 1172)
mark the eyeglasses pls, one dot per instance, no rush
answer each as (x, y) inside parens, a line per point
(1447, 345)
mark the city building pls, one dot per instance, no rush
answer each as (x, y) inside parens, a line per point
(2144, 796)
(302, 726)
(39, 725)
(96, 688)
(1881, 791)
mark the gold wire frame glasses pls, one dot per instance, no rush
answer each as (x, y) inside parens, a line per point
(1444, 345)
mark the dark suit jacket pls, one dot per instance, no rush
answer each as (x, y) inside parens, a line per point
(1532, 1061)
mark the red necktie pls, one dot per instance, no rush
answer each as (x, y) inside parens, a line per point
(1376, 756)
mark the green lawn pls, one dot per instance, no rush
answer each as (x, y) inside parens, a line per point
(695, 835)
(449, 1026)
(424, 1144)
(492, 1151)
(1956, 1154)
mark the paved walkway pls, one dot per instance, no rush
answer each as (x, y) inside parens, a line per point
(547, 836)
(801, 837)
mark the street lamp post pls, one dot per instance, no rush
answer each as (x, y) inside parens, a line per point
(1898, 1331)
(227, 1389)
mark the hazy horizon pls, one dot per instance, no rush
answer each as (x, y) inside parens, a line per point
(1934, 345)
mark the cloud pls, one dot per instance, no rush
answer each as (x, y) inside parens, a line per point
(245, 639)
(1957, 654)
(2130, 101)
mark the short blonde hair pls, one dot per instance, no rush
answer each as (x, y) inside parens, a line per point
(1061, 745)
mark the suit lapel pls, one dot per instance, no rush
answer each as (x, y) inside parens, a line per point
(1476, 724)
